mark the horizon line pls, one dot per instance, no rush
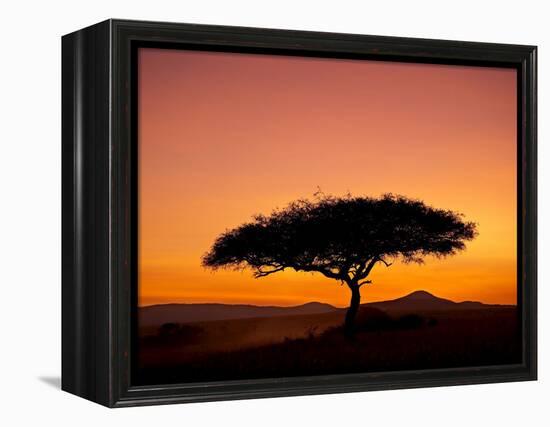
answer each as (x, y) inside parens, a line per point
(324, 303)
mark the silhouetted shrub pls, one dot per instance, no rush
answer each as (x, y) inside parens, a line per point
(168, 329)
(373, 319)
(181, 332)
(409, 321)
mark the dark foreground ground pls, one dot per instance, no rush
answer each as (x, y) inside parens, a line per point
(315, 345)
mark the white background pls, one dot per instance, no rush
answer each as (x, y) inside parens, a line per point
(30, 212)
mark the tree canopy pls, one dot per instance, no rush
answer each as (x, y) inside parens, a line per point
(341, 237)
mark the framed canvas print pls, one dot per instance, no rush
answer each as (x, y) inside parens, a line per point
(259, 213)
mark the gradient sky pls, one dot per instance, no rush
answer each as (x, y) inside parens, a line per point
(223, 136)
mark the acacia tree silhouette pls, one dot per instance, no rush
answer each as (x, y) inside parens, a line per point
(342, 238)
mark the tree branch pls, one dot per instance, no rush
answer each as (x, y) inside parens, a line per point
(324, 271)
(366, 270)
(344, 272)
(359, 267)
(386, 263)
(262, 273)
(366, 282)
(328, 273)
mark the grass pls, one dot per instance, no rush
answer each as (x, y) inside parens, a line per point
(382, 343)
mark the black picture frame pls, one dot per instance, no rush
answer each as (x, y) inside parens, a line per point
(99, 204)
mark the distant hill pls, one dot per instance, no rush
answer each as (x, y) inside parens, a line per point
(418, 301)
(424, 301)
(186, 313)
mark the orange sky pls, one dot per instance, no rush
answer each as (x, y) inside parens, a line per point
(224, 136)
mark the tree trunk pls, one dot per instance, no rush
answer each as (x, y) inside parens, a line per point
(351, 314)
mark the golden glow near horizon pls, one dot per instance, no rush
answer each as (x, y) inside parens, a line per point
(224, 136)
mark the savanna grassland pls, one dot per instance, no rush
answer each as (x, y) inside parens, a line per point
(410, 333)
